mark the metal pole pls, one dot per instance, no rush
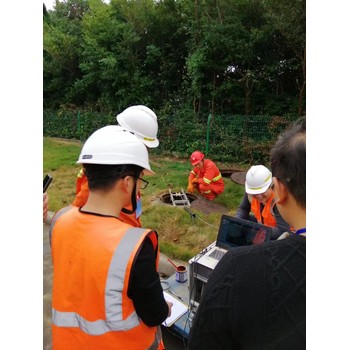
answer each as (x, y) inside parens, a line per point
(79, 125)
(208, 133)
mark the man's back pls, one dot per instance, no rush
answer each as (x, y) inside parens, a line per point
(256, 299)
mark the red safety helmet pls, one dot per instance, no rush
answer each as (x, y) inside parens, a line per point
(196, 157)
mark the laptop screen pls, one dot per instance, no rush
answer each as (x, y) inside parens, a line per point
(235, 232)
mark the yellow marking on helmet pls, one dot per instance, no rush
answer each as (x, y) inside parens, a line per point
(148, 139)
(268, 178)
(259, 188)
(255, 188)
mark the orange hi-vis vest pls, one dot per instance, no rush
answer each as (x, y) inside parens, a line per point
(266, 217)
(92, 260)
(82, 194)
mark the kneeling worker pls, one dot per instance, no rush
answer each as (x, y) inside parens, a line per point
(205, 177)
(259, 199)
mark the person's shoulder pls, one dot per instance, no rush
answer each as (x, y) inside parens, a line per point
(254, 251)
(209, 162)
(65, 212)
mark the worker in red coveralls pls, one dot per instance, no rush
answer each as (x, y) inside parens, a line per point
(205, 177)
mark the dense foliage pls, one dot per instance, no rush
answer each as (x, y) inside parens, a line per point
(220, 57)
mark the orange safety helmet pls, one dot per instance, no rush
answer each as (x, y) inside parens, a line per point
(196, 157)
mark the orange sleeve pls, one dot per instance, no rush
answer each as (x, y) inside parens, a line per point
(209, 172)
(192, 175)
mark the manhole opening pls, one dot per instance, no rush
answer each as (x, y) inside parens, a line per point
(228, 172)
(165, 198)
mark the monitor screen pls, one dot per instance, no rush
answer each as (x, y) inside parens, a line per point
(236, 232)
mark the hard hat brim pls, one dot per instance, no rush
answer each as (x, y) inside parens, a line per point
(151, 144)
(257, 190)
(147, 171)
(195, 163)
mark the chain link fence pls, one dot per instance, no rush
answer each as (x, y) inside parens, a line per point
(235, 138)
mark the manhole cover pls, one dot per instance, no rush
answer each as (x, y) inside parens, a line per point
(165, 198)
(239, 177)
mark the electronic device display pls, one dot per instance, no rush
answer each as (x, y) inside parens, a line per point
(233, 232)
(47, 181)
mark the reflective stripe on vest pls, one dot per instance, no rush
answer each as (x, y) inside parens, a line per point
(81, 173)
(216, 178)
(207, 181)
(157, 340)
(113, 300)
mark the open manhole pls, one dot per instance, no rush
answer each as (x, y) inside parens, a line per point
(166, 198)
(229, 171)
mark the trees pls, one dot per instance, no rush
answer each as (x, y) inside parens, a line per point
(62, 46)
(289, 19)
(218, 56)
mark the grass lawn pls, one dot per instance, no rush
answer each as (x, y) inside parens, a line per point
(179, 237)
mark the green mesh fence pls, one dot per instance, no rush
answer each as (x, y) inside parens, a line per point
(236, 138)
(245, 139)
(74, 124)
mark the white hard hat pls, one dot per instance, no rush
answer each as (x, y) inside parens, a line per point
(142, 121)
(258, 179)
(113, 145)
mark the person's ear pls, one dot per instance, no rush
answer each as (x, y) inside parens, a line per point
(127, 184)
(279, 190)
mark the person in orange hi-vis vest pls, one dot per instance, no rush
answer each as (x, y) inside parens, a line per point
(259, 200)
(106, 289)
(142, 122)
(205, 177)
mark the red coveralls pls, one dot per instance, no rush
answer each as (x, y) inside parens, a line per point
(210, 182)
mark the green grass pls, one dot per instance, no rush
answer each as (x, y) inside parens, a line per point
(180, 237)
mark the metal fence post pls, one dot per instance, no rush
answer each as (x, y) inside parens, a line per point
(79, 125)
(208, 133)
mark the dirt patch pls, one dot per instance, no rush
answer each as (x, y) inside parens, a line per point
(203, 205)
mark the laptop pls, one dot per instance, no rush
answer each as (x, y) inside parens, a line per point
(234, 232)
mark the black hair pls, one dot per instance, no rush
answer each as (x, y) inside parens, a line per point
(288, 160)
(104, 176)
